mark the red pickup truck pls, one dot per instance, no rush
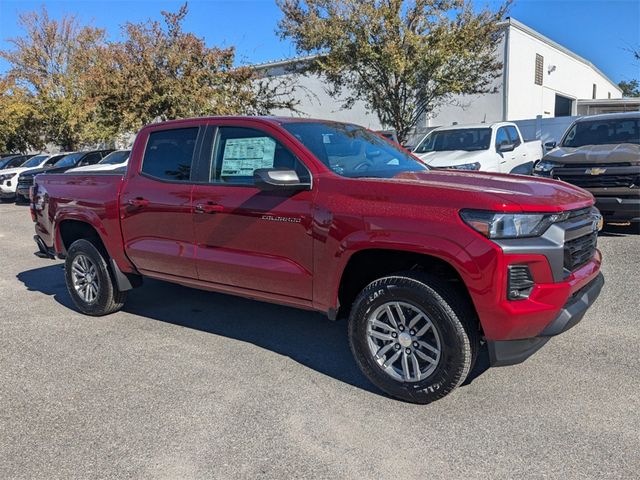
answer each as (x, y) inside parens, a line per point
(426, 264)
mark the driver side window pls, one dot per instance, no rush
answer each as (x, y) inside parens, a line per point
(239, 151)
(502, 137)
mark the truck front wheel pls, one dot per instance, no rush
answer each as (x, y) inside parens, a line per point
(89, 280)
(413, 336)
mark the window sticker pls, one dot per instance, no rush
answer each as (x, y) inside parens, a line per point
(244, 155)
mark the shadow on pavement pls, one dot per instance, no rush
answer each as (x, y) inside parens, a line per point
(615, 230)
(306, 337)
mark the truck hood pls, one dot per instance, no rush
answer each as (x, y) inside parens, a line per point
(451, 157)
(13, 171)
(596, 154)
(501, 191)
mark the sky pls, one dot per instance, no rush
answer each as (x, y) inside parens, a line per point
(601, 31)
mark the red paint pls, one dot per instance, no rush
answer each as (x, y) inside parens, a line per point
(229, 244)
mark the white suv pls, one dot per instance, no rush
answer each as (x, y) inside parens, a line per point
(9, 176)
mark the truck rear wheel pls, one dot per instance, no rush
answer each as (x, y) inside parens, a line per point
(413, 336)
(89, 280)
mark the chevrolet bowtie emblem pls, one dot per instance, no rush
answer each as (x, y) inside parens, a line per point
(595, 171)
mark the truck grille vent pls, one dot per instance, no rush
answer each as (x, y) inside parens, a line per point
(579, 251)
(600, 181)
(581, 212)
(520, 282)
(25, 182)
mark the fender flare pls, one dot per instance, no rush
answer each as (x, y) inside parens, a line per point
(436, 246)
(122, 267)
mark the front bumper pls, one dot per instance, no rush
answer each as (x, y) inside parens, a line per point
(23, 190)
(8, 191)
(511, 352)
(619, 209)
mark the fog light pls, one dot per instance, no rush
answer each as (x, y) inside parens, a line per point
(520, 282)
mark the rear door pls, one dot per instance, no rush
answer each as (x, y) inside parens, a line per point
(157, 224)
(247, 237)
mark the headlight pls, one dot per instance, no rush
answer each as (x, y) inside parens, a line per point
(510, 225)
(8, 176)
(466, 166)
(545, 166)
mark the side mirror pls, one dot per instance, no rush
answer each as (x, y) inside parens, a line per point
(278, 179)
(506, 147)
(550, 145)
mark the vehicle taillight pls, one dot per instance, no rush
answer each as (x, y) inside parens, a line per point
(33, 191)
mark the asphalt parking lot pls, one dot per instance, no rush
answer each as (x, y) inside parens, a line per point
(189, 384)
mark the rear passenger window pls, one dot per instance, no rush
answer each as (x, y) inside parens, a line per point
(169, 154)
(238, 152)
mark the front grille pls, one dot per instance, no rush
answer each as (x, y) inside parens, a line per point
(579, 251)
(591, 165)
(25, 182)
(600, 181)
(579, 213)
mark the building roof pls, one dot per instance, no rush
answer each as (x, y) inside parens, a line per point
(509, 22)
(537, 35)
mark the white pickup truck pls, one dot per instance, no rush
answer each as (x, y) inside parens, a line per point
(496, 147)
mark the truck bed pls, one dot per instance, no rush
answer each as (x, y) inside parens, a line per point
(97, 194)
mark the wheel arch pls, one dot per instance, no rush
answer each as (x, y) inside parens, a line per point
(365, 265)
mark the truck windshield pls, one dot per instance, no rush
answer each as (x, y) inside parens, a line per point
(352, 151)
(602, 132)
(115, 157)
(466, 139)
(35, 161)
(69, 160)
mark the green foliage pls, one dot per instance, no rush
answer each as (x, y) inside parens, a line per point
(19, 119)
(88, 90)
(402, 58)
(160, 72)
(51, 62)
(630, 88)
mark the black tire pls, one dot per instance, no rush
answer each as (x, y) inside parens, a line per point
(451, 315)
(108, 299)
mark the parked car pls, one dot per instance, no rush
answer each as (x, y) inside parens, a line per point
(389, 134)
(496, 147)
(9, 177)
(114, 161)
(330, 217)
(601, 153)
(69, 161)
(12, 161)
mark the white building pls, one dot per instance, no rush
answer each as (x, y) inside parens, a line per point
(539, 78)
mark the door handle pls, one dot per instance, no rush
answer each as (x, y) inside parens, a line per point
(138, 202)
(208, 208)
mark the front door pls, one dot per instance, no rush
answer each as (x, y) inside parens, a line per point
(247, 237)
(507, 159)
(157, 224)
